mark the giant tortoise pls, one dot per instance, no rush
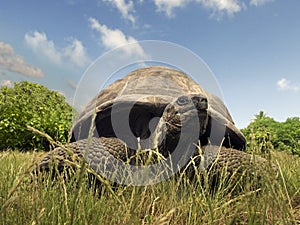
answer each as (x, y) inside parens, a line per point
(160, 110)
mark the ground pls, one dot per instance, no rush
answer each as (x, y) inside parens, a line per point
(29, 200)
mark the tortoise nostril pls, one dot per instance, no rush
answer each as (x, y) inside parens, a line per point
(200, 102)
(196, 99)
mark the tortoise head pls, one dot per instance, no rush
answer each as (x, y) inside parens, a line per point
(187, 110)
(185, 118)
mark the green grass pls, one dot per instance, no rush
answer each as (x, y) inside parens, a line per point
(28, 200)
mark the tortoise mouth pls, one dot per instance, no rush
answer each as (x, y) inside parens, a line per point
(187, 116)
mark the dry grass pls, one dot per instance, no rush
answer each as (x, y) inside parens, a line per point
(41, 200)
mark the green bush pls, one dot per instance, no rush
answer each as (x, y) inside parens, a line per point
(34, 105)
(271, 134)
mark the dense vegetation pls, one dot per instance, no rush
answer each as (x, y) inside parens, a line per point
(34, 105)
(270, 134)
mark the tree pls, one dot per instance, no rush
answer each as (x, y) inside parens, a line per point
(34, 105)
(261, 115)
(264, 133)
(290, 135)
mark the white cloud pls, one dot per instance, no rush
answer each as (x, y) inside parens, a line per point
(259, 2)
(222, 6)
(167, 6)
(15, 63)
(6, 83)
(285, 85)
(126, 8)
(115, 38)
(41, 45)
(75, 52)
(218, 7)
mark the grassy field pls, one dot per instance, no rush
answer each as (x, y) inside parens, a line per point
(42, 200)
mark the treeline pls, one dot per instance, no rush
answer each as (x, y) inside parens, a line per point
(35, 105)
(264, 134)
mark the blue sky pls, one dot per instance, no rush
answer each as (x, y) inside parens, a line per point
(252, 46)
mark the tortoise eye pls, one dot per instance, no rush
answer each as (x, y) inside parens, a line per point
(183, 100)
